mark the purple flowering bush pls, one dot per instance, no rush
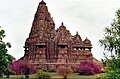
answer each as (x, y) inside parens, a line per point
(22, 67)
(85, 70)
(88, 68)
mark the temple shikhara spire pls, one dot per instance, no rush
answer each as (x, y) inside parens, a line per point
(47, 47)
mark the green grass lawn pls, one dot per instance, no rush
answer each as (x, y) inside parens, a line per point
(73, 76)
(54, 76)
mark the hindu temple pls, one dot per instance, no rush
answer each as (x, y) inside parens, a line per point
(47, 47)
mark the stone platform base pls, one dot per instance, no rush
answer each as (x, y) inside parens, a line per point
(53, 66)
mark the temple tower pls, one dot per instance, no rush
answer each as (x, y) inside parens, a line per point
(46, 47)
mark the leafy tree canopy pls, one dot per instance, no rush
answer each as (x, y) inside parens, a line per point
(111, 39)
(5, 58)
(111, 44)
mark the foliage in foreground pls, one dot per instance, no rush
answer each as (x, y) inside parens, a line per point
(64, 71)
(5, 58)
(111, 44)
(9, 72)
(88, 68)
(22, 67)
(42, 75)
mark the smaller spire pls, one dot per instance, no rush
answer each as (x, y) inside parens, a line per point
(87, 42)
(62, 26)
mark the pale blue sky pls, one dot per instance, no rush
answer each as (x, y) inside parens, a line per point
(88, 17)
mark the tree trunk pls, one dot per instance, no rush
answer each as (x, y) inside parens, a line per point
(1, 76)
(7, 75)
(27, 76)
(65, 77)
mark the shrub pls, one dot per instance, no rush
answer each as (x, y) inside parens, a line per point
(98, 76)
(74, 68)
(103, 70)
(51, 70)
(85, 70)
(64, 71)
(22, 67)
(88, 68)
(42, 75)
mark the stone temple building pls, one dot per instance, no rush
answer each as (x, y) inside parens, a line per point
(47, 47)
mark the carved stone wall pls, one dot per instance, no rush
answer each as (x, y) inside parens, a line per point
(46, 47)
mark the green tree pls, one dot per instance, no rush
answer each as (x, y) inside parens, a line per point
(5, 58)
(111, 45)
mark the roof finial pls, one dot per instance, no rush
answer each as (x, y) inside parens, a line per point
(42, 2)
(77, 32)
(62, 24)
